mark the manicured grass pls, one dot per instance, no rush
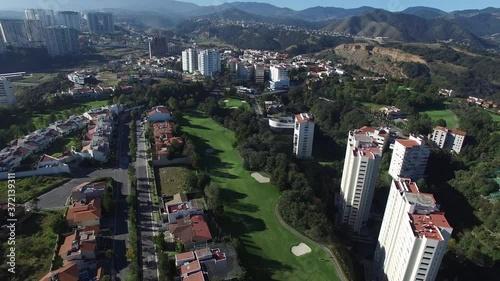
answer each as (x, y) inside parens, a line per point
(496, 118)
(172, 180)
(446, 114)
(27, 188)
(249, 210)
(233, 102)
(93, 104)
(35, 244)
(373, 106)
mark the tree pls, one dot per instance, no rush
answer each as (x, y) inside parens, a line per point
(196, 161)
(212, 192)
(160, 242)
(441, 122)
(58, 224)
(179, 247)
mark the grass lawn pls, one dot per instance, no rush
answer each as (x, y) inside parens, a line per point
(234, 102)
(446, 114)
(373, 106)
(496, 118)
(92, 104)
(249, 209)
(35, 244)
(60, 145)
(27, 188)
(172, 179)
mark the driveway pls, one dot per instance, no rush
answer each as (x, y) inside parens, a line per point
(56, 198)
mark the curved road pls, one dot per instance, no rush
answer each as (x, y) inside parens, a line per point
(327, 251)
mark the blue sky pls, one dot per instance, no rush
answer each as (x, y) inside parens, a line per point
(392, 5)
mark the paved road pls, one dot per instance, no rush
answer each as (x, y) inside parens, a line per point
(147, 227)
(327, 251)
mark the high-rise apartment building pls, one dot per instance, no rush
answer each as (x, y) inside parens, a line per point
(35, 32)
(279, 77)
(100, 23)
(259, 71)
(209, 62)
(13, 33)
(7, 96)
(448, 138)
(158, 47)
(70, 19)
(47, 17)
(61, 41)
(361, 168)
(409, 158)
(245, 71)
(190, 60)
(413, 235)
(303, 135)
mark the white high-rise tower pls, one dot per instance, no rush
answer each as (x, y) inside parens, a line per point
(409, 158)
(7, 96)
(303, 135)
(190, 60)
(209, 62)
(361, 167)
(413, 235)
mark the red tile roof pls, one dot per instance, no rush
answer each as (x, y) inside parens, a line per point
(187, 256)
(458, 132)
(190, 268)
(66, 246)
(408, 143)
(198, 276)
(428, 225)
(193, 229)
(89, 212)
(68, 272)
(301, 118)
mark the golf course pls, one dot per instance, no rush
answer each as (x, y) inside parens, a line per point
(249, 210)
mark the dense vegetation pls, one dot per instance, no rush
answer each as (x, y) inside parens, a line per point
(31, 187)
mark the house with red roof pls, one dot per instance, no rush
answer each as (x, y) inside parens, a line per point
(85, 215)
(190, 231)
(159, 114)
(88, 191)
(81, 245)
(68, 272)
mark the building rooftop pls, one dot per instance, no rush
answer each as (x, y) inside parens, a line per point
(305, 118)
(428, 225)
(189, 256)
(198, 276)
(191, 267)
(408, 143)
(68, 272)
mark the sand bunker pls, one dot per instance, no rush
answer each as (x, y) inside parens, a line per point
(233, 107)
(301, 249)
(226, 100)
(209, 150)
(260, 178)
(244, 101)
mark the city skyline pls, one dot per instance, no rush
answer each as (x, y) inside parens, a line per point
(391, 5)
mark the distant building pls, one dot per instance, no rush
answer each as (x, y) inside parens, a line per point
(361, 168)
(413, 236)
(70, 19)
(303, 135)
(47, 17)
(279, 77)
(209, 62)
(380, 136)
(245, 72)
(409, 158)
(259, 70)
(190, 60)
(159, 114)
(13, 33)
(393, 112)
(100, 23)
(448, 138)
(7, 95)
(61, 41)
(35, 32)
(158, 47)
(180, 207)
(174, 49)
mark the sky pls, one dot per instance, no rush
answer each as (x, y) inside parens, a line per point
(391, 5)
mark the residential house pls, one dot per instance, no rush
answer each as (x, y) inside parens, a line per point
(180, 207)
(88, 191)
(198, 276)
(48, 161)
(68, 272)
(85, 215)
(183, 258)
(190, 268)
(159, 114)
(81, 245)
(190, 231)
(203, 263)
(393, 112)
(96, 142)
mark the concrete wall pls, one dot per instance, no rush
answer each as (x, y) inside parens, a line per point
(39, 172)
